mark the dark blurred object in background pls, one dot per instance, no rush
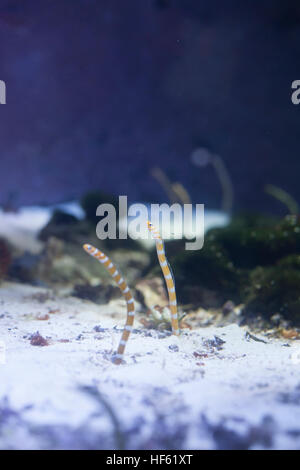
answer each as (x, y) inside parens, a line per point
(101, 91)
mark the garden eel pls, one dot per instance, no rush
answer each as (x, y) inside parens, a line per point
(91, 250)
(168, 275)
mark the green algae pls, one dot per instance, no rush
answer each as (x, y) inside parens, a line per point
(253, 260)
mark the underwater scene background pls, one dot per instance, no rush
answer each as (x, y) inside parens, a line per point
(165, 102)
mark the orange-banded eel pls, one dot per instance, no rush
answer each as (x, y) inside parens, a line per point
(168, 275)
(125, 291)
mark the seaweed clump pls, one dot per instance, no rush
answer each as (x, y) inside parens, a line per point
(208, 276)
(254, 261)
(91, 200)
(275, 289)
(61, 225)
(259, 242)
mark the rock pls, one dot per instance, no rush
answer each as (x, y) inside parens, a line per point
(99, 294)
(5, 258)
(152, 292)
(91, 200)
(37, 340)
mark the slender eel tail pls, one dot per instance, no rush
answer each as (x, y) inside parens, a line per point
(125, 291)
(167, 275)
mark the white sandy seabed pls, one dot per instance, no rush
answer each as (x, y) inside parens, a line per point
(212, 388)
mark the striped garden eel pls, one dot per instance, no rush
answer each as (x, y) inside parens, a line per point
(91, 250)
(167, 275)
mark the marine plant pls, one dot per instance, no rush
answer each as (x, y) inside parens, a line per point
(284, 197)
(201, 157)
(176, 192)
